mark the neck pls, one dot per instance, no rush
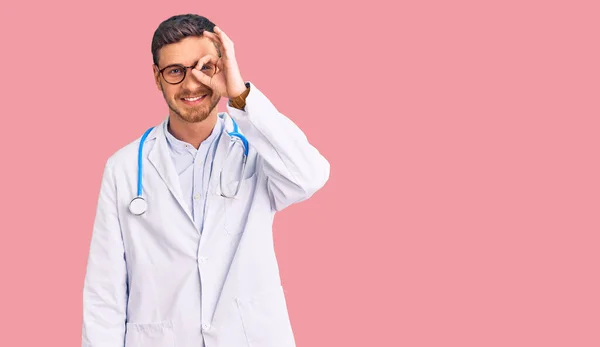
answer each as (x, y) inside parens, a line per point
(192, 133)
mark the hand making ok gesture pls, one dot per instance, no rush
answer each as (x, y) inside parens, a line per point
(227, 79)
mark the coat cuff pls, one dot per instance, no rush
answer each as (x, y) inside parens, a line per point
(239, 101)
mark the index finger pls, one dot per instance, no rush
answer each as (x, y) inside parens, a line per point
(205, 59)
(215, 39)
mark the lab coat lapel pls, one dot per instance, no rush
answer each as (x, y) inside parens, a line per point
(161, 159)
(214, 192)
(220, 153)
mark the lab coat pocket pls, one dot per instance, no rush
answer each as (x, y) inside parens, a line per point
(158, 334)
(237, 208)
(265, 319)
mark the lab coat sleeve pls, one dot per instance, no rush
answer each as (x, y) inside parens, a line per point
(105, 285)
(295, 169)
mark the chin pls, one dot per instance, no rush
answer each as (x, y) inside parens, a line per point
(197, 114)
(195, 117)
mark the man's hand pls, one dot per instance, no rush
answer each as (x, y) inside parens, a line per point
(227, 80)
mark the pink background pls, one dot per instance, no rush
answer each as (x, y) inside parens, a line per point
(462, 207)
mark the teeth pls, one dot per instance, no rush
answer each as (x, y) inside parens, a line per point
(194, 99)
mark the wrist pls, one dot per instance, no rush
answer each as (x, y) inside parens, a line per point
(238, 91)
(239, 101)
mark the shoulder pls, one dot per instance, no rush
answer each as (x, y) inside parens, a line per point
(127, 155)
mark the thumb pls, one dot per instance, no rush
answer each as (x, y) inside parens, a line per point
(202, 77)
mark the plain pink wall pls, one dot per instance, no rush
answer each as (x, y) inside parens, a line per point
(462, 207)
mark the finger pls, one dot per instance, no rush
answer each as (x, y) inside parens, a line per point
(219, 66)
(201, 76)
(212, 36)
(222, 35)
(202, 61)
(209, 58)
(216, 39)
(227, 43)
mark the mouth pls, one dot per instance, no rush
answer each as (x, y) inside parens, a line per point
(194, 100)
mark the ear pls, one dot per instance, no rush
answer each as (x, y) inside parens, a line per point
(156, 76)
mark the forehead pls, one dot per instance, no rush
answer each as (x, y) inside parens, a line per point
(186, 51)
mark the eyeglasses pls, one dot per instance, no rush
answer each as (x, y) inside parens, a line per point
(175, 73)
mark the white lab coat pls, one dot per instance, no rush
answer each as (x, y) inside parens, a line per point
(155, 281)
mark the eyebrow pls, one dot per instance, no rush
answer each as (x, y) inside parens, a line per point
(195, 63)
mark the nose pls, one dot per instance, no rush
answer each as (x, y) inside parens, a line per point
(190, 81)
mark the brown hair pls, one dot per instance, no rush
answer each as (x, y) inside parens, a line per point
(176, 29)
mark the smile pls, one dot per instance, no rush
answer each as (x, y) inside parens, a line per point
(194, 100)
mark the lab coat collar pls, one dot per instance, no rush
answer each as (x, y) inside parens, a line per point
(160, 158)
(180, 147)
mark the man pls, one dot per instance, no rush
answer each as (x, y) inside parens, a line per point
(174, 259)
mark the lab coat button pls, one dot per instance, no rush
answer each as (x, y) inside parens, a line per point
(205, 326)
(202, 260)
(197, 196)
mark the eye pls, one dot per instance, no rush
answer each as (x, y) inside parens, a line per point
(174, 71)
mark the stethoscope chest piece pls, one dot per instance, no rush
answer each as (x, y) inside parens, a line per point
(138, 205)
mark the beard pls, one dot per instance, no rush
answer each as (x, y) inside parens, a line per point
(193, 114)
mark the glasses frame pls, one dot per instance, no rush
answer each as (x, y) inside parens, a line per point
(183, 67)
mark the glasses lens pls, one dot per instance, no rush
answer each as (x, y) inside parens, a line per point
(208, 69)
(174, 73)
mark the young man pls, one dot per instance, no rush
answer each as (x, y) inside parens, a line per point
(182, 250)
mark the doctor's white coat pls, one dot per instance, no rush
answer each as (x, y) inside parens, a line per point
(155, 281)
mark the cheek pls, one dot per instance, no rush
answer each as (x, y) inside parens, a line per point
(170, 92)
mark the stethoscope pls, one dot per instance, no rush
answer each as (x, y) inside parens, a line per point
(138, 205)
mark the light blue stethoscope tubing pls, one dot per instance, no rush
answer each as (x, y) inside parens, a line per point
(138, 204)
(140, 157)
